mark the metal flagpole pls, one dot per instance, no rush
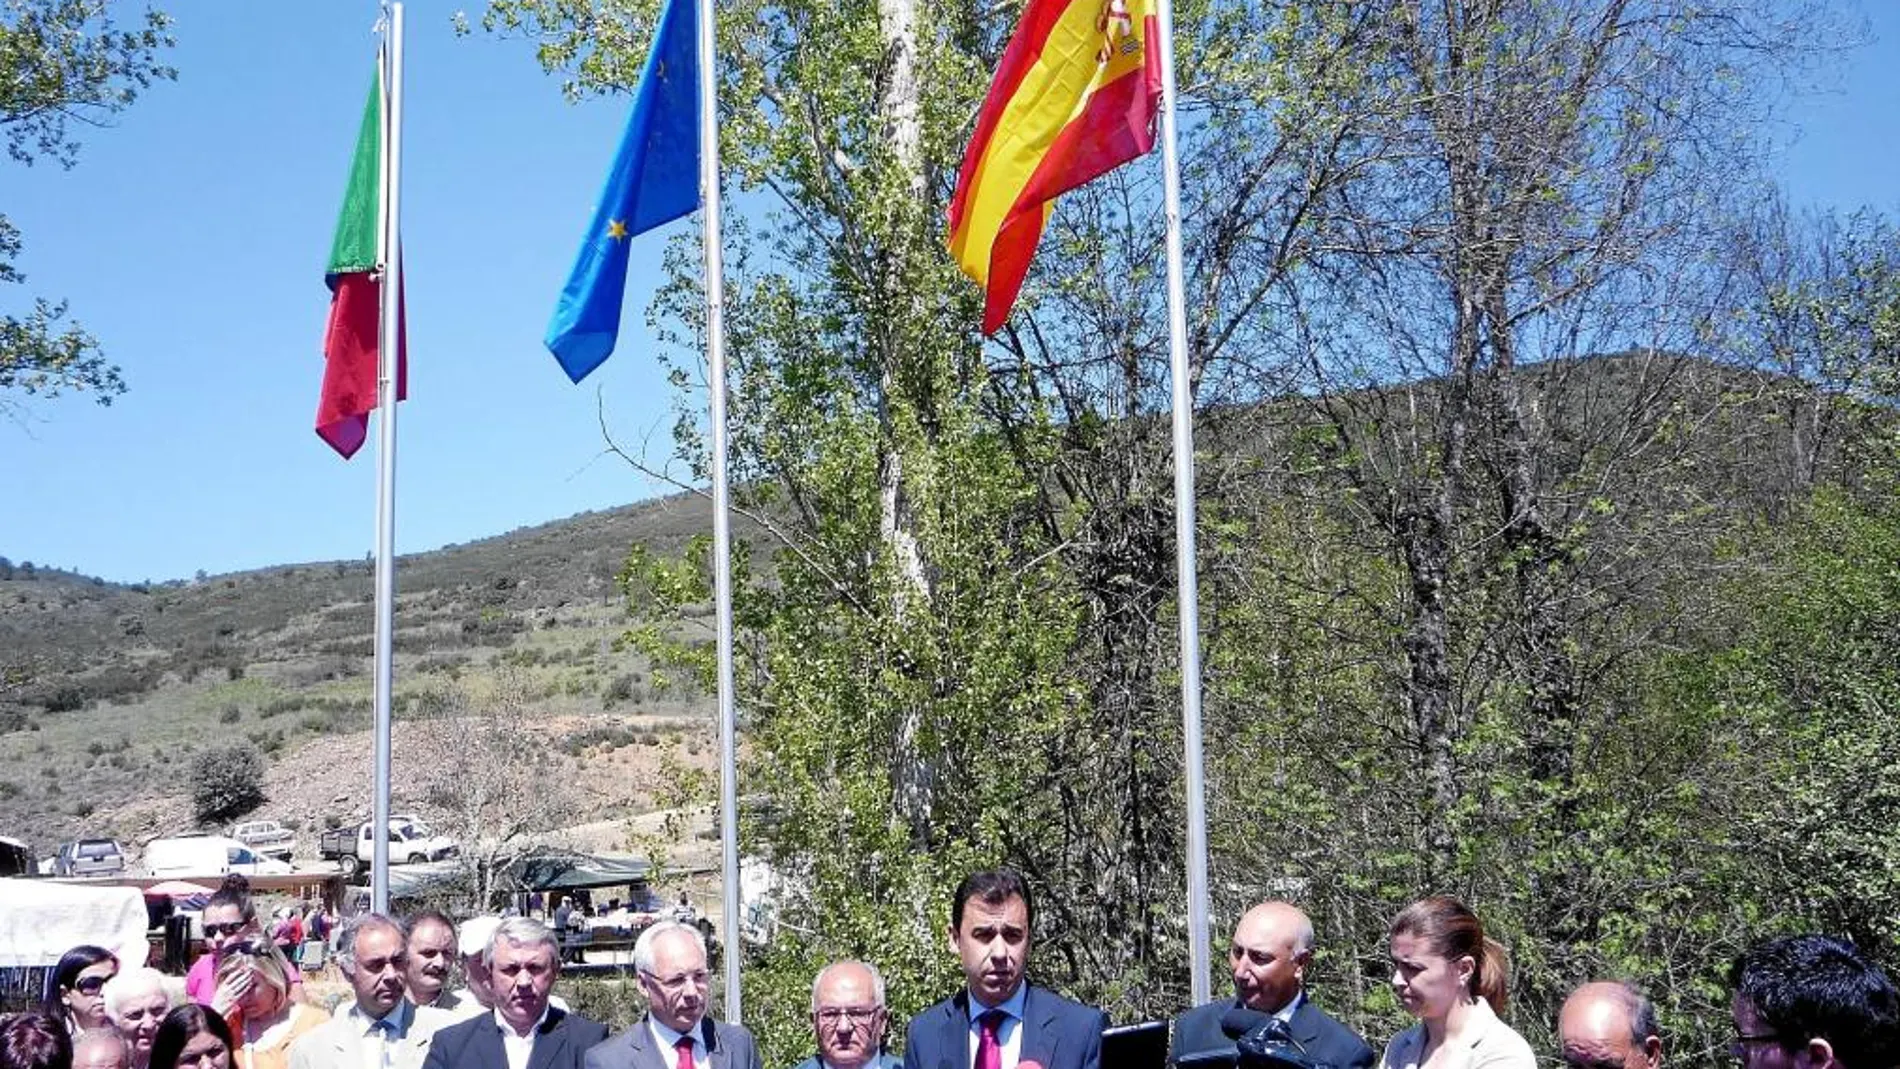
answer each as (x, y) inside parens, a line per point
(1199, 960)
(722, 525)
(388, 341)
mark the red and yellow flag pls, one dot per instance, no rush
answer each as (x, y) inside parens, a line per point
(1074, 98)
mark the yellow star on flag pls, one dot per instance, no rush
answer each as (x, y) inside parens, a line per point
(616, 230)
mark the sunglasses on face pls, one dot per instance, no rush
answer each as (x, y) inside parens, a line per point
(90, 985)
(232, 928)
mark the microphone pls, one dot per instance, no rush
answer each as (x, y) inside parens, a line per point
(1240, 1020)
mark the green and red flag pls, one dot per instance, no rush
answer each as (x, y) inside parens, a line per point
(355, 277)
(1075, 96)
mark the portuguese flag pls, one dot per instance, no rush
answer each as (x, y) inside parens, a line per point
(1075, 97)
(355, 278)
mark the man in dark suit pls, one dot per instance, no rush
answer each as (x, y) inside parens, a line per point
(522, 1031)
(676, 1033)
(1273, 944)
(999, 1020)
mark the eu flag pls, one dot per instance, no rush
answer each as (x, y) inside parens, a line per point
(654, 180)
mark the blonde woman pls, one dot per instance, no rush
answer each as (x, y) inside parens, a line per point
(266, 1020)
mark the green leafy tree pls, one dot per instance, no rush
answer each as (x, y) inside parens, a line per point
(1443, 535)
(68, 64)
(227, 782)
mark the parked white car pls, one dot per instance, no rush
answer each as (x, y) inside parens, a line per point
(208, 855)
(267, 837)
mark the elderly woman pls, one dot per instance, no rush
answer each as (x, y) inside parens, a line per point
(73, 991)
(1453, 978)
(229, 917)
(266, 1020)
(136, 1001)
(192, 1037)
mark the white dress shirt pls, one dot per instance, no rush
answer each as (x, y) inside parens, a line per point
(518, 1048)
(376, 1038)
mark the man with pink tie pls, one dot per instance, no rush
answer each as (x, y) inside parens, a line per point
(1000, 1020)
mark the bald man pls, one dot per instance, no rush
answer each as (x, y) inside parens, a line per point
(1272, 946)
(1607, 1024)
(101, 1048)
(848, 1018)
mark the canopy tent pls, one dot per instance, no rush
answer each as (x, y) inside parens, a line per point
(564, 871)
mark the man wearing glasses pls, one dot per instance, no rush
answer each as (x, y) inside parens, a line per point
(1813, 1002)
(676, 1033)
(848, 1018)
(523, 960)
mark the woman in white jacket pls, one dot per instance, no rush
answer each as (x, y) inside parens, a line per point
(1453, 978)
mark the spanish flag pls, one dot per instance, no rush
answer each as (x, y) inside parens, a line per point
(1074, 98)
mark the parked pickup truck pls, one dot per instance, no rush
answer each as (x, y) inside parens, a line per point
(410, 840)
(266, 837)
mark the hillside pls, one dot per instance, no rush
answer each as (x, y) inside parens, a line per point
(108, 691)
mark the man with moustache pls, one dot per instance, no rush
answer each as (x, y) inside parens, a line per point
(1000, 1020)
(431, 958)
(1608, 1024)
(523, 960)
(380, 1028)
(848, 1018)
(1271, 948)
(675, 1033)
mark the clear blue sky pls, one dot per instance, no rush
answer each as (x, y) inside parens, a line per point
(191, 240)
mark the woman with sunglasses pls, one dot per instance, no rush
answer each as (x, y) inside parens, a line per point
(192, 1037)
(75, 990)
(229, 917)
(266, 1022)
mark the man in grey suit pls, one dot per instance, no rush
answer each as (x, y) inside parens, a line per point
(676, 1033)
(522, 1031)
(380, 1026)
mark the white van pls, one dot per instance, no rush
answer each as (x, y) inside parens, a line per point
(208, 855)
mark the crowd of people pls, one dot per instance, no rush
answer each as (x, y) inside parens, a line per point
(1798, 1002)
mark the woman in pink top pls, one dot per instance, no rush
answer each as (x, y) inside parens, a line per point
(229, 918)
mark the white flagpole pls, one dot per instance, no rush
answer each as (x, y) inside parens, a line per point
(389, 338)
(722, 524)
(1200, 961)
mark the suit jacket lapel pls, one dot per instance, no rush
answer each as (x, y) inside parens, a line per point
(717, 1056)
(1303, 1025)
(956, 1033)
(646, 1051)
(549, 1042)
(1039, 1034)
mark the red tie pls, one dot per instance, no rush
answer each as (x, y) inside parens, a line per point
(989, 1053)
(685, 1049)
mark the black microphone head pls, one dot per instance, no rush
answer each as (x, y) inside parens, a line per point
(1240, 1020)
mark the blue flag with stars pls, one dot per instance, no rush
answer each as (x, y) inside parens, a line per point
(654, 180)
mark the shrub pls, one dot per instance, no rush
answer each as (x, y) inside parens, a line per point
(227, 782)
(231, 714)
